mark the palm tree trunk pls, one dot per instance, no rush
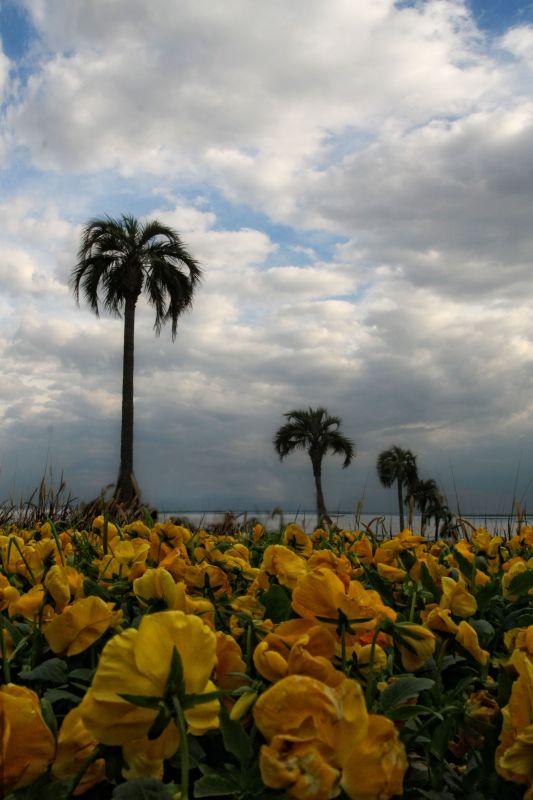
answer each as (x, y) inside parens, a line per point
(126, 487)
(321, 513)
(400, 503)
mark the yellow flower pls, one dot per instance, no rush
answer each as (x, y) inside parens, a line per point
(176, 535)
(28, 745)
(229, 660)
(8, 593)
(321, 593)
(157, 584)
(516, 568)
(391, 573)
(457, 598)
(363, 653)
(416, 644)
(301, 767)
(138, 662)
(57, 584)
(377, 764)
(79, 625)
(467, 638)
(296, 538)
(138, 528)
(362, 548)
(74, 745)
(284, 564)
(307, 709)
(144, 757)
(99, 525)
(29, 604)
(514, 754)
(298, 646)
(438, 619)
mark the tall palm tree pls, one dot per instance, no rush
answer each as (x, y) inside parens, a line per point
(316, 432)
(397, 466)
(122, 258)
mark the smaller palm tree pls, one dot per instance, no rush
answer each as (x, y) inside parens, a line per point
(396, 465)
(426, 496)
(316, 432)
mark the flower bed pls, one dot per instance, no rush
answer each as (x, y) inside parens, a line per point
(152, 662)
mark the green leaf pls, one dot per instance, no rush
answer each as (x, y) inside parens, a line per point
(407, 559)
(485, 594)
(91, 588)
(54, 670)
(175, 683)
(159, 724)
(142, 789)
(277, 603)
(404, 712)
(48, 715)
(468, 568)
(236, 740)
(428, 583)
(485, 631)
(144, 701)
(380, 585)
(520, 618)
(55, 695)
(215, 786)
(191, 700)
(403, 689)
(521, 583)
(82, 674)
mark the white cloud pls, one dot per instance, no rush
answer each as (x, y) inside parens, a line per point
(354, 179)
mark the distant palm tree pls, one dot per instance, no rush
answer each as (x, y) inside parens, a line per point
(426, 496)
(124, 258)
(316, 432)
(397, 466)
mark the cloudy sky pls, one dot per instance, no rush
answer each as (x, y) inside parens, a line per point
(356, 179)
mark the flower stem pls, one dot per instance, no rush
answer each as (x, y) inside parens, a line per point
(184, 747)
(5, 659)
(371, 679)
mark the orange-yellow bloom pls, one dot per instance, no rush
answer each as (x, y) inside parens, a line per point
(28, 745)
(302, 767)
(298, 646)
(306, 708)
(377, 764)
